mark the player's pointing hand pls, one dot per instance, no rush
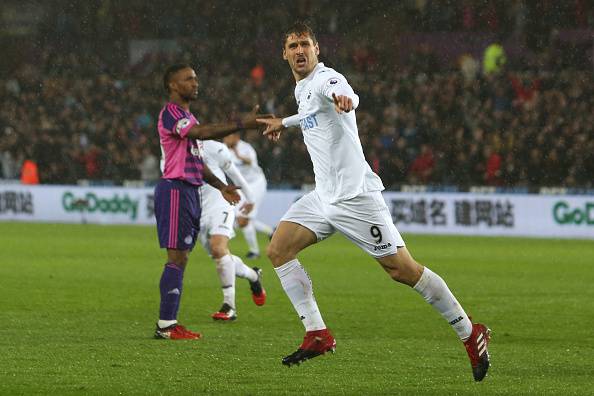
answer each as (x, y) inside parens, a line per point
(342, 103)
(274, 126)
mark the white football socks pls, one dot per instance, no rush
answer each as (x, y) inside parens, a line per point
(298, 287)
(243, 271)
(165, 323)
(226, 271)
(251, 238)
(435, 291)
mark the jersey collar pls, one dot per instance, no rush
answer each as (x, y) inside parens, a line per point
(316, 69)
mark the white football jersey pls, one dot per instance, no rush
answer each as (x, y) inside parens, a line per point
(332, 139)
(251, 172)
(218, 158)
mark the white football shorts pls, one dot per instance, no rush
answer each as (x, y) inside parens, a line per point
(216, 220)
(364, 219)
(258, 191)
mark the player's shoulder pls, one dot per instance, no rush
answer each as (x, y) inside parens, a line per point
(328, 76)
(174, 111)
(214, 147)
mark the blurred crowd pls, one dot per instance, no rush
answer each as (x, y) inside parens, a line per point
(82, 115)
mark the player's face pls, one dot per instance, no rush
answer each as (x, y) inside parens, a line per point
(301, 53)
(185, 83)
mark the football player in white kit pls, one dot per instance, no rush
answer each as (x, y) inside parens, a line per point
(246, 159)
(347, 198)
(216, 229)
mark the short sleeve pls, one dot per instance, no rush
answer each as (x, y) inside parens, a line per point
(176, 121)
(338, 85)
(183, 126)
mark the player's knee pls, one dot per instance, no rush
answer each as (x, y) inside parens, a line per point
(409, 275)
(179, 263)
(396, 274)
(403, 268)
(243, 221)
(272, 252)
(218, 251)
(179, 258)
(276, 255)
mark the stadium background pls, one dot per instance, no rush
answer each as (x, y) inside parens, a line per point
(81, 86)
(488, 97)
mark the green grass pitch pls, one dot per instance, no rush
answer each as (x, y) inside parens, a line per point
(79, 302)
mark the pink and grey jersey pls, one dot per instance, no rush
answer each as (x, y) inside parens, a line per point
(181, 155)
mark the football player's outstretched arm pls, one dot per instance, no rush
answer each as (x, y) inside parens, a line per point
(215, 131)
(274, 126)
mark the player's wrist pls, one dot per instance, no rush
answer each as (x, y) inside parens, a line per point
(288, 122)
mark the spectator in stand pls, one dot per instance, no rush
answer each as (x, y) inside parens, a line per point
(422, 166)
(93, 110)
(492, 167)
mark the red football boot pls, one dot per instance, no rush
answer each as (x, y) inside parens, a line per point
(476, 347)
(176, 332)
(315, 343)
(225, 313)
(258, 292)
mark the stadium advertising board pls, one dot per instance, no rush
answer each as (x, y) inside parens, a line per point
(72, 204)
(555, 216)
(558, 216)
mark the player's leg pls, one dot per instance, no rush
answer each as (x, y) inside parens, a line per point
(250, 235)
(366, 221)
(301, 227)
(177, 212)
(220, 226)
(403, 268)
(259, 190)
(170, 286)
(288, 240)
(218, 246)
(254, 277)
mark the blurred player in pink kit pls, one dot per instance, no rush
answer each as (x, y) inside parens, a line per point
(177, 200)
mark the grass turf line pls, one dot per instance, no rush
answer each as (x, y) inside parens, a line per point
(79, 304)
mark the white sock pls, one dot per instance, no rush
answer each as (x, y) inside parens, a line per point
(249, 233)
(435, 291)
(298, 287)
(165, 323)
(243, 271)
(262, 227)
(226, 271)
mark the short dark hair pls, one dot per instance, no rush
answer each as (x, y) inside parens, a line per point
(299, 28)
(170, 71)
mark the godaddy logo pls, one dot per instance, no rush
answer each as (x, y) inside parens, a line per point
(92, 203)
(564, 214)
